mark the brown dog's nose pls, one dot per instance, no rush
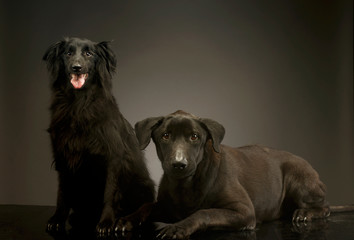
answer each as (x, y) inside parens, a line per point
(180, 160)
(179, 165)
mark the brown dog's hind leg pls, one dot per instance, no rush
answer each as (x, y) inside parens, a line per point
(311, 202)
(304, 187)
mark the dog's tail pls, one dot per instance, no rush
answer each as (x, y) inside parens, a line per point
(338, 209)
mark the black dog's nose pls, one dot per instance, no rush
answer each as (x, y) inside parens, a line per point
(179, 165)
(77, 68)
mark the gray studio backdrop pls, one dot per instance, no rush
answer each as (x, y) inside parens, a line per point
(277, 73)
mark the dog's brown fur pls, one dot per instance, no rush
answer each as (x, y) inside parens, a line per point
(209, 185)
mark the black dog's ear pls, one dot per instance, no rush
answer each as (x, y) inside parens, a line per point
(106, 54)
(144, 129)
(51, 57)
(216, 132)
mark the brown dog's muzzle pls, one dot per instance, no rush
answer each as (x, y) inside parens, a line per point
(179, 161)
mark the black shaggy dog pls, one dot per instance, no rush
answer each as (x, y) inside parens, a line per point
(102, 174)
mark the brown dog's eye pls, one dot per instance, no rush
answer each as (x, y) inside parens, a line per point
(68, 54)
(166, 136)
(88, 54)
(194, 137)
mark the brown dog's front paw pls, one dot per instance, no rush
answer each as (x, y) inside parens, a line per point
(125, 224)
(171, 231)
(104, 228)
(134, 220)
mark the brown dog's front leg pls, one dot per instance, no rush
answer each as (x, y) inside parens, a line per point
(208, 218)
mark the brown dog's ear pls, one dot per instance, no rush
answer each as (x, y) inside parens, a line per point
(216, 132)
(144, 129)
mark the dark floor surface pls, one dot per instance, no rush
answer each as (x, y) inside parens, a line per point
(28, 222)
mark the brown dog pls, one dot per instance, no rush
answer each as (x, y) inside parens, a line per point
(208, 185)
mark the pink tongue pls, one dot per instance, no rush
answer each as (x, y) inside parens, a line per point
(78, 80)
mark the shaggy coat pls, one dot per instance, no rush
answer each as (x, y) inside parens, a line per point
(102, 173)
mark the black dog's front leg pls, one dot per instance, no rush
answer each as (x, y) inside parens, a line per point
(57, 222)
(207, 218)
(107, 220)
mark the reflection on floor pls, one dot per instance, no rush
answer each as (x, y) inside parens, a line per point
(28, 222)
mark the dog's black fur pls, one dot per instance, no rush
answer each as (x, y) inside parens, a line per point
(102, 173)
(209, 185)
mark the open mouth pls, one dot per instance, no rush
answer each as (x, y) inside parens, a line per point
(78, 80)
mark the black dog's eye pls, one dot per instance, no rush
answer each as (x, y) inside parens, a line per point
(194, 137)
(68, 54)
(165, 136)
(88, 54)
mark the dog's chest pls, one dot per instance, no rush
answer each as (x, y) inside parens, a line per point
(73, 136)
(186, 199)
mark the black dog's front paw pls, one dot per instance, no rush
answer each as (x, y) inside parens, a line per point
(171, 231)
(55, 225)
(104, 228)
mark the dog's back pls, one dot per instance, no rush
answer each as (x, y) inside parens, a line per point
(270, 178)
